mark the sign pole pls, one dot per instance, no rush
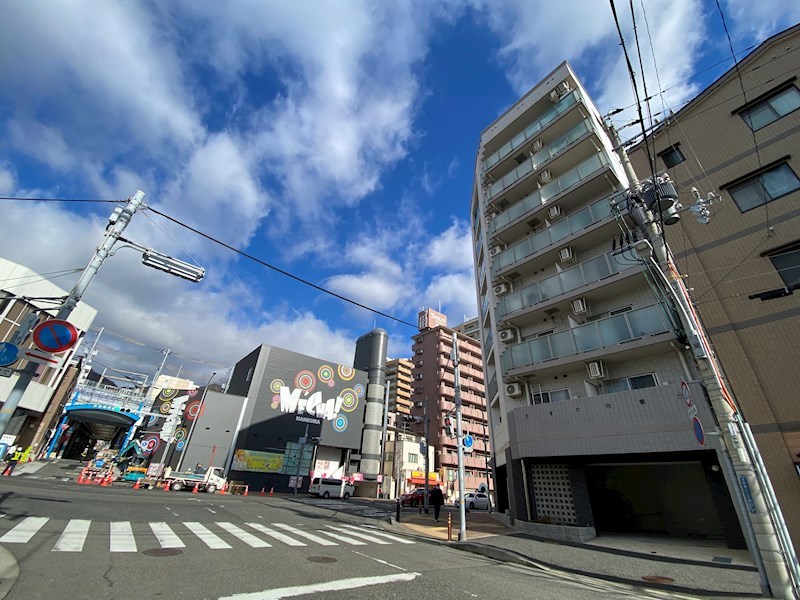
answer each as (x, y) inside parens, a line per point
(300, 459)
(462, 531)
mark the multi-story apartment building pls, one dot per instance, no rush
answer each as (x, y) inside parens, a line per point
(398, 380)
(744, 264)
(586, 372)
(433, 395)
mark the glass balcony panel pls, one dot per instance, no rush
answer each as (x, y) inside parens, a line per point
(539, 350)
(516, 211)
(571, 279)
(530, 295)
(596, 268)
(550, 287)
(590, 165)
(540, 157)
(646, 321)
(601, 209)
(532, 129)
(518, 139)
(511, 303)
(614, 330)
(558, 145)
(505, 149)
(587, 337)
(559, 230)
(524, 169)
(548, 191)
(508, 179)
(580, 220)
(539, 241)
(620, 262)
(520, 355)
(569, 178)
(562, 344)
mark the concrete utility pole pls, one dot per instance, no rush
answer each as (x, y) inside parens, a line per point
(462, 530)
(749, 485)
(424, 445)
(119, 221)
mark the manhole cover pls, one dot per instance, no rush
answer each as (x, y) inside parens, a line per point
(161, 552)
(657, 579)
(321, 559)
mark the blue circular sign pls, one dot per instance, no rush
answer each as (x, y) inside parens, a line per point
(698, 431)
(8, 353)
(55, 335)
(468, 441)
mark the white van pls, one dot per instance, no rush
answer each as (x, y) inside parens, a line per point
(328, 488)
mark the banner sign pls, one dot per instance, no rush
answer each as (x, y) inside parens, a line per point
(258, 462)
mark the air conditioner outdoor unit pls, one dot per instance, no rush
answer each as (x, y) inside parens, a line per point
(418, 376)
(554, 212)
(491, 215)
(500, 289)
(537, 145)
(580, 306)
(514, 390)
(596, 370)
(545, 176)
(508, 336)
(565, 254)
(495, 250)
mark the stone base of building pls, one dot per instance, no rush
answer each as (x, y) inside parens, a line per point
(567, 533)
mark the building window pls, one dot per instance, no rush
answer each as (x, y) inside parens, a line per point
(413, 458)
(787, 262)
(551, 396)
(672, 156)
(766, 186)
(626, 384)
(779, 104)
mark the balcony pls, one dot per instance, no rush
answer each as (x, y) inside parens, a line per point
(531, 131)
(535, 161)
(577, 221)
(568, 280)
(603, 333)
(567, 180)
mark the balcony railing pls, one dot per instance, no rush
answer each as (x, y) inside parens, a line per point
(567, 280)
(531, 130)
(491, 389)
(588, 215)
(597, 334)
(566, 180)
(539, 158)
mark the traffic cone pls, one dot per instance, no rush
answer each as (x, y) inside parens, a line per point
(246, 490)
(137, 484)
(223, 489)
(80, 477)
(262, 491)
(272, 491)
(196, 488)
(166, 486)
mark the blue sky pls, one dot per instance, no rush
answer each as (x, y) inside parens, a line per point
(335, 140)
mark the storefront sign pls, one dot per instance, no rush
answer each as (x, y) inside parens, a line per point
(258, 462)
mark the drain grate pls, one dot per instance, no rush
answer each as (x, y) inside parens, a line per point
(321, 559)
(657, 579)
(161, 552)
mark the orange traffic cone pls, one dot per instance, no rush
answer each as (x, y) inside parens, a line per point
(223, 489)
(137, 484)
(262, 492)
(166, 486)
(272, 491)
(246, 490)
(80, 477)
(196, 488)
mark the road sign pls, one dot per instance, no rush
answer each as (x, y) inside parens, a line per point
(6, 372)
(468, 442)
(55, 335)
(42, 358)
(698, 431)
(687, 394)
(9, 353)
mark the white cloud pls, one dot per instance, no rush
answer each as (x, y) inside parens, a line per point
(451, 249)
(758, 20)
(455, 292)
(8, 180)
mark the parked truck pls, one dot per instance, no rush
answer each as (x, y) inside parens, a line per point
(210, 480)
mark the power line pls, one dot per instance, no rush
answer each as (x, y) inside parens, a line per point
(278, 269)
(724, 277)
(90, 200)
(42, 276)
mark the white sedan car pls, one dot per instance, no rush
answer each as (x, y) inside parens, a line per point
(475, 500)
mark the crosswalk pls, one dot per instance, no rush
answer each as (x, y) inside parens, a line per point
(220, 535)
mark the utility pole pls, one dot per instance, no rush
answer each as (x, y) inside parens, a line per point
(758, 510)
(150, 401)
(486, 458)
(423, 445)
(117, 224)
(462, 531)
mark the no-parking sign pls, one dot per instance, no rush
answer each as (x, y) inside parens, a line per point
(55, 336)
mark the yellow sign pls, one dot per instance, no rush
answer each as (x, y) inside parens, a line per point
(259, 462)
(421, 475)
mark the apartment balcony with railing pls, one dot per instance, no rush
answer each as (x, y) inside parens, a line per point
(572, 281)
(531, 131)
(563, 183)
(609, 334)
(556, 231)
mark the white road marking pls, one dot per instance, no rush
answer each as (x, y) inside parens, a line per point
(276, 534)
(360, 535)
(73, 537)
(325, 586)
(165, 536)
(210, 510)
(211, 540)
(383, 562)
(382, 534)
(343, 538)
(247, 538)
(122, 539)
(303, 534)
(24, 530)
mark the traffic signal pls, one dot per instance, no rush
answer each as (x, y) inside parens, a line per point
(449, 426)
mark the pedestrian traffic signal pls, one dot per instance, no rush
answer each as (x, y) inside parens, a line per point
(449, 426)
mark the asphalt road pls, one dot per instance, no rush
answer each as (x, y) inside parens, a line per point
(88, 542)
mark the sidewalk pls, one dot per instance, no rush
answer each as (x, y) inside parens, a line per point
(699, 567)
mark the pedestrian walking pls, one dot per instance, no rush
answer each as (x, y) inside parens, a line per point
(437, 499)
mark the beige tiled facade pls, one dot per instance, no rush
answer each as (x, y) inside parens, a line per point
(398, 377)
(727, 261)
